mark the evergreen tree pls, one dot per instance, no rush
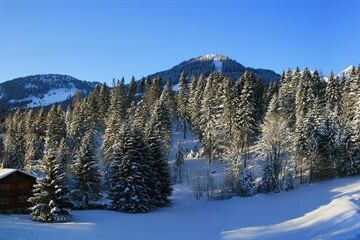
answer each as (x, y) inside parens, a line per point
(64, 158)
(246, 119)
(15, 146)
(333, 97)
(87, 174)
(131, 176)
(115, 120)
(50, 201)
(33, 155)
(183, 101)
(229, 114)
(159, 167)
(197, 104)
(132, 89)
(160, 123)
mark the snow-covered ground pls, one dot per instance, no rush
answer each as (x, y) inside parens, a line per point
(327, 210)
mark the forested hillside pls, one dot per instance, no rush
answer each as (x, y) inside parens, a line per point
(114, 145)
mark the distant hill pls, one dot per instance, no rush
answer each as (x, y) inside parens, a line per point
(41, 90)
(213, 62)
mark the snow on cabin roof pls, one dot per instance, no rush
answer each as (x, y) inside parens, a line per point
(8, 171)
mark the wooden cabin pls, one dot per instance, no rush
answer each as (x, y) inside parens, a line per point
(15, 188)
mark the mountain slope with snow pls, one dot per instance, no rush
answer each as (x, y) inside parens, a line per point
(41, 90)
(213, 62)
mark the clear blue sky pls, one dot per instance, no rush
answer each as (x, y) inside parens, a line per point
(101, 39)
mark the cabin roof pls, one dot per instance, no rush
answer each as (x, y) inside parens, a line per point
(8, 171)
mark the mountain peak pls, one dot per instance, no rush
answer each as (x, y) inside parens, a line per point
(212, 57)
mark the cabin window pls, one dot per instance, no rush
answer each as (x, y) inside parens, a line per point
(5, 186)
(4, 201)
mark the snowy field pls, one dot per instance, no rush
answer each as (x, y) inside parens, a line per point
(328, 210)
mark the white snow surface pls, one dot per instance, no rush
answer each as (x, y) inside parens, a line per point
(321, 211)
(212, 56)
(328, 210)
(51, 97)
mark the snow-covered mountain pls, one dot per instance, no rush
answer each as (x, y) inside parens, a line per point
(41, 90)
(213, 62)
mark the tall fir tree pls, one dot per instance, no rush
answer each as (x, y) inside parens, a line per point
(87, 174)
(50, 202)
(183, 102)
(131, 175)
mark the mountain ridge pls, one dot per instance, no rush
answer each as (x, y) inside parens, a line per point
(208, 63)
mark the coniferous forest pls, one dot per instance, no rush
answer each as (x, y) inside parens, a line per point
(114, 144)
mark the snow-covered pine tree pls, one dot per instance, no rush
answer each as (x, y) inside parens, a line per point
(104, 101)
(64, 158)
(41, 123)
(168, 96)
(350, 93)
(87, 174)
(161, 176)
(208, 118)
(246, 114)
(131, 175)
(183, 101)
(55, 127)
(197, 104)
(229, 114)
(192, 100)
(115, 119)
(15, 145)
(50, 201)
(333, 97)
(160, 123)
(302, 106)
(33, 155)
(287, 95)
(153, 92)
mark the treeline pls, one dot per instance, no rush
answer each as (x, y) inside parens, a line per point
(106, 142)
(304, 129)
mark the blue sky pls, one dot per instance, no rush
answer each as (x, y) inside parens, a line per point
(102, 39)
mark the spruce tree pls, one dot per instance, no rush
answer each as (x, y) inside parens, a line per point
(160, 177)
(115, 119)
(131, 178)
(333, 97)
(50, 201)
(246, 113)
(87, 174)
(183, 101)
(33, 155)
(15, 145)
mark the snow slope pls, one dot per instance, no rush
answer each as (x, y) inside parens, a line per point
(327, 210)
(51, 97)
